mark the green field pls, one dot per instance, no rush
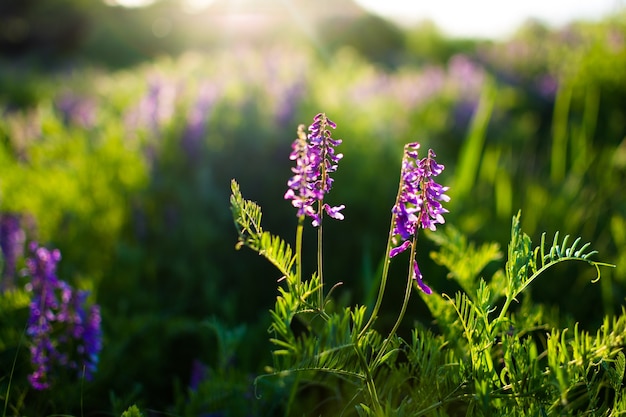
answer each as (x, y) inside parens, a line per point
(119, 150)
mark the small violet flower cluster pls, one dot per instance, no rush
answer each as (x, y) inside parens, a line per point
(418, 204)
(62, 332)
(315, 158)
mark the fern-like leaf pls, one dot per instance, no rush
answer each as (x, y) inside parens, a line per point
(581, 366)
(247, 216)
(524, 266)
(559, 252)
(332, 351)
(467, 313)
(464, 259)
(520, 257)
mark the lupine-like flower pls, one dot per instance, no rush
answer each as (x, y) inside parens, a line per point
(197, 121)
(42, 268)
(62, 333)
(77, 110)
(315, 158)
(418, 203)
(12, 246)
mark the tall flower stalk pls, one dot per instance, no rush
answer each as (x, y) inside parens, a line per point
(315, 158)
(418, 206)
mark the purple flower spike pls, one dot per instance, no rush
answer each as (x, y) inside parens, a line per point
(418, 203)
(315, 157)
(433, 193)
(62, 332)
(419, 200)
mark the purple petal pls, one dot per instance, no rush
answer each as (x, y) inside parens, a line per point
(417, 276)
(334, 212)
(394, 251)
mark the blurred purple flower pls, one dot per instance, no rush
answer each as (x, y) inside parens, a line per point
(197, 120)
(77, 110)
(468, 76)
(417, 90)
(42, 269)
(418, 203)
(315, 160)
(408, 89)
(84, 327)
(546, 86)
(62, 332)
(12, 245)
(287, 101)
(371, 86)
(282, 77)
(199, 372)
(156, 108)
(463, 111)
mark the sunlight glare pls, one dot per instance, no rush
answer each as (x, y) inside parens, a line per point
(129, 3)
(489, 18)
(195, 6)
(189, 6)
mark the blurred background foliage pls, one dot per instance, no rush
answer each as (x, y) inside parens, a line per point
(122, 128)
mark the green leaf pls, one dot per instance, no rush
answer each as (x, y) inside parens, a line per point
(464, 259)
(519, 260)
(132, 411)
(524, 266)
(616, 374)
(247, 216)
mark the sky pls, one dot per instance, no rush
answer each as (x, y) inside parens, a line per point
(491, 18)
(471, 18)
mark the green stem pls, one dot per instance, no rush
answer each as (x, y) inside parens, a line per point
(299, 232)
(369, 382)
(441, 403)
(320, 213)
(383, 282)
(385, 272)
(518, 291)
(17, 351)
(505, 308)
(292, 394)
(319, 257)
(405, 302)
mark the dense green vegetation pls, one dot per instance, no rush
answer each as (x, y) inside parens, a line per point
(123, 161)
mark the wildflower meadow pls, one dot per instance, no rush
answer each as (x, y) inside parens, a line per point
(255, 227)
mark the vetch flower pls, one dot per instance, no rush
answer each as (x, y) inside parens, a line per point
(315, 157)
(418, 203)
(432, 193)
